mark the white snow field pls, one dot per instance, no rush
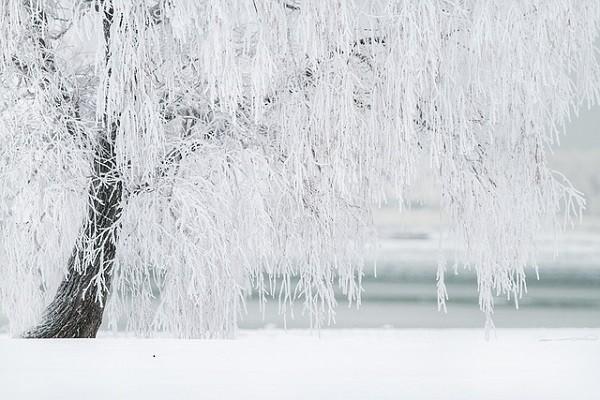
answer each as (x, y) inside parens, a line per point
(524, 364)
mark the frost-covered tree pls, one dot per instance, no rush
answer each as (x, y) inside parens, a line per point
(196, 151)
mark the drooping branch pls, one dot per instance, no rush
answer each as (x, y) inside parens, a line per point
(78, 307)
(50, 78)
(155, 14)
(280, 126)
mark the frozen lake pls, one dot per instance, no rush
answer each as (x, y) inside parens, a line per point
(412, 304)
(404, 294)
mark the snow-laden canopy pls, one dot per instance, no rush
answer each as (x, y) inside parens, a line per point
(253, 138)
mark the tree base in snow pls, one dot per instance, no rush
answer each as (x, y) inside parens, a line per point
(73, 313)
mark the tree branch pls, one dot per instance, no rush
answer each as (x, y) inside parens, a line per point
(64, 101)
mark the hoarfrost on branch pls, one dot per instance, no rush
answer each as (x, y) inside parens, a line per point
(253, 138)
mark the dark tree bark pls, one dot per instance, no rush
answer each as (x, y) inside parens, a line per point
(77, 309)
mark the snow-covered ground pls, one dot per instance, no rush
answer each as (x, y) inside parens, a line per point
(524, 364)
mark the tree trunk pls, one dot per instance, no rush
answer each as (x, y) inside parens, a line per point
(76, 311)
(77, 308)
